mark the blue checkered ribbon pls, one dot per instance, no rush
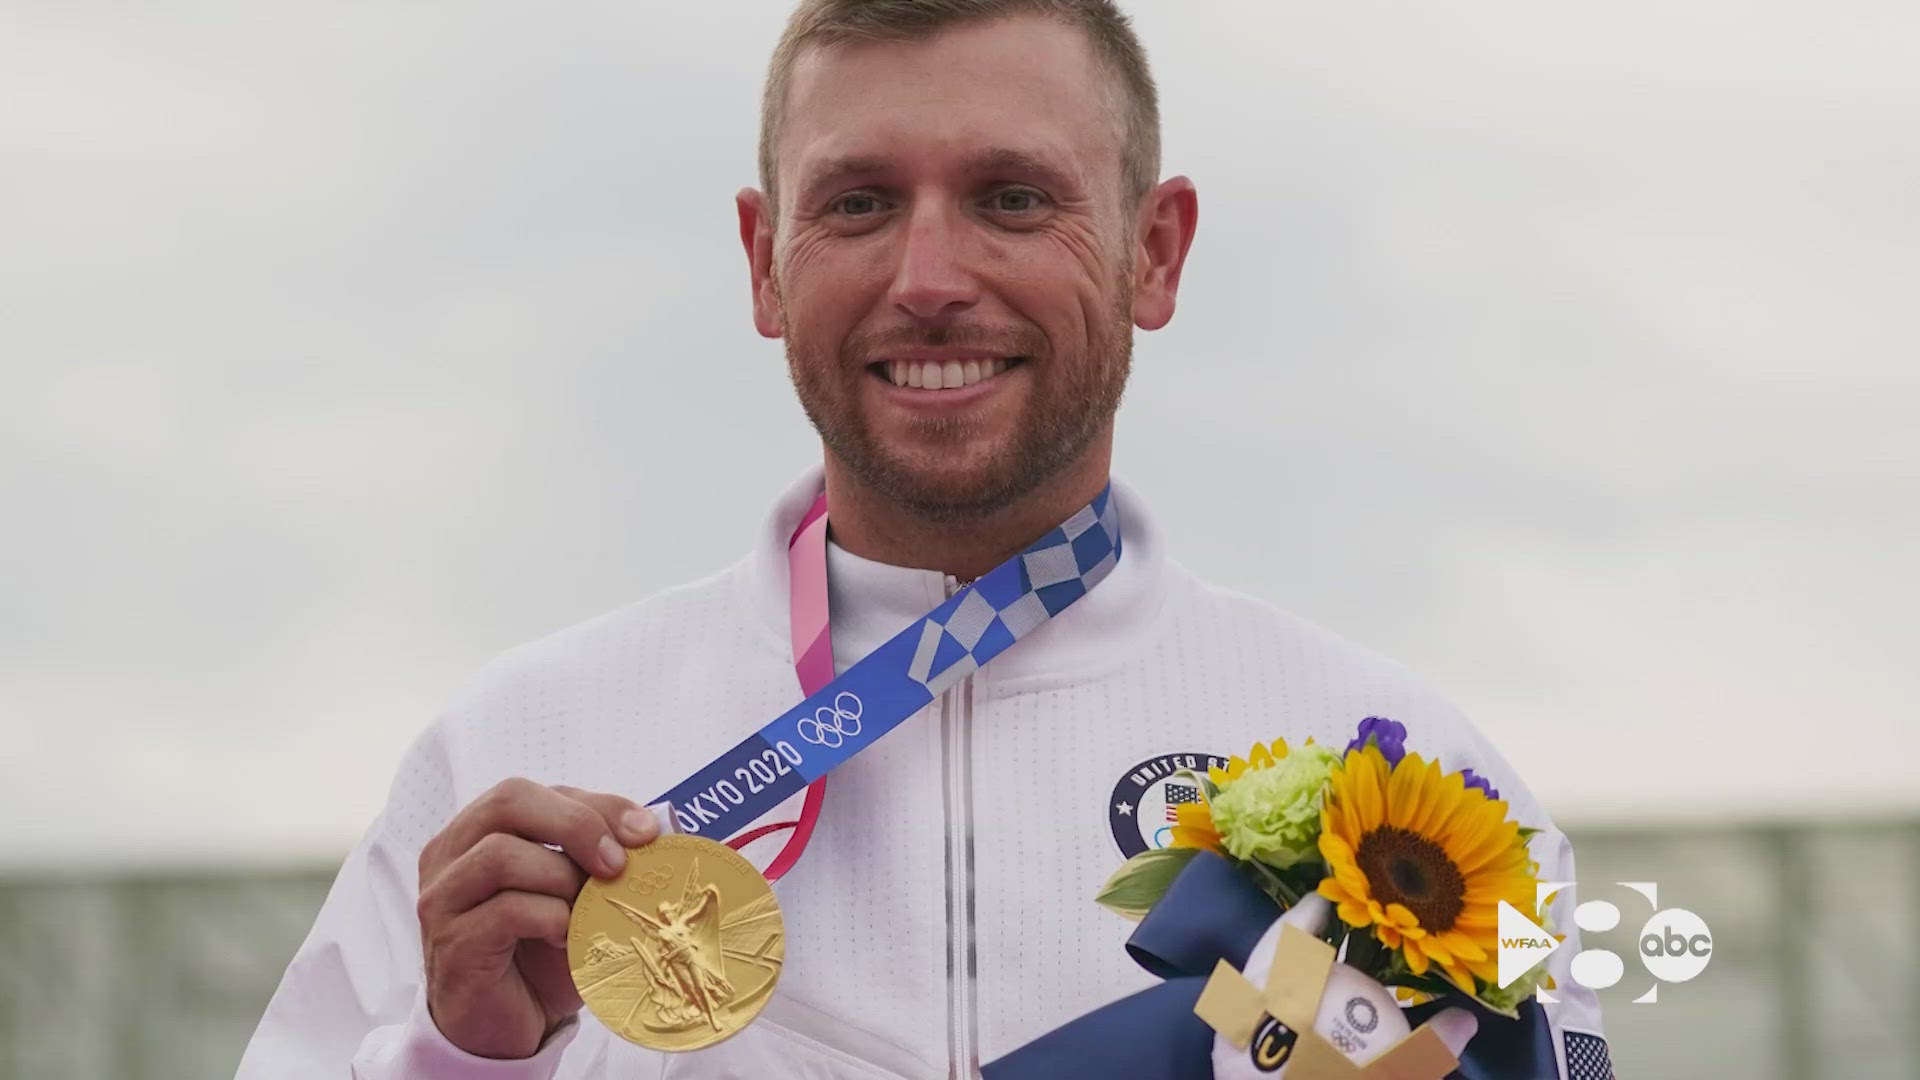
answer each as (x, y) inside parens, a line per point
(899, 678)
(1016, 597)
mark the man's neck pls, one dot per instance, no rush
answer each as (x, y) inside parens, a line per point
(872, 526)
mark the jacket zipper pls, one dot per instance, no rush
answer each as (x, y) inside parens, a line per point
(956, 735)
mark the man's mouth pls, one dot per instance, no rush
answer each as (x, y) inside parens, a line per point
(942, 374)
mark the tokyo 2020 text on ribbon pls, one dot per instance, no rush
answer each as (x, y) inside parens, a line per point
(896, 680)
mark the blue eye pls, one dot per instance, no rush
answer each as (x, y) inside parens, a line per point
(1017, 200)
(857, 204)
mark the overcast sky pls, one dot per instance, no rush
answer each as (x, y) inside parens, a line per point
(1565, 354)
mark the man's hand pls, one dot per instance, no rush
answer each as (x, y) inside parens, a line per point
(495, 903)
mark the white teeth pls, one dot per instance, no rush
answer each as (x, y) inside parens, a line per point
(943, 375)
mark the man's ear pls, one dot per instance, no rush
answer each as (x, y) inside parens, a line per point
(756, 235)
(1168, 215)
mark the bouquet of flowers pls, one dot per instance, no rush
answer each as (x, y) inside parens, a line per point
(1414, 860)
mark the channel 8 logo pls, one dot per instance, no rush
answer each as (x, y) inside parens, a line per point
(1674, 944)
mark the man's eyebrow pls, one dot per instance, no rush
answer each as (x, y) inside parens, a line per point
(1008, 159)
(1003, 159)
(842, 168)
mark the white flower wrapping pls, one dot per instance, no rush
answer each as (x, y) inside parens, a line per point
(1357, 1015)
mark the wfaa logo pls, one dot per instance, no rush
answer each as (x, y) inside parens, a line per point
(1674, 944)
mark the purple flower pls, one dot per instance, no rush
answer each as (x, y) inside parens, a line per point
(1474, 779)
(1389, 735)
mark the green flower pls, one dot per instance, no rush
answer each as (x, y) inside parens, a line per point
(1273, 814)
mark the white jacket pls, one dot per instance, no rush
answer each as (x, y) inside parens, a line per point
(944, 911)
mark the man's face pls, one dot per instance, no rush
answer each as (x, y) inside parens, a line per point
(948, 208)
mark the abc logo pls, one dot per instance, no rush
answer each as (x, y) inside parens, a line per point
(1675, 945)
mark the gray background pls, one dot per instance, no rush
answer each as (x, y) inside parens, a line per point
(1556, 352)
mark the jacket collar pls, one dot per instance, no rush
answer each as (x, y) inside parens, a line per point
(872, 601)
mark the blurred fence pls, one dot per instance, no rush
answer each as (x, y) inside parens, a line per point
(1815, 970)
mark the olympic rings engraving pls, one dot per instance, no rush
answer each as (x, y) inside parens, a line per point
(652, 881)
(832, 725)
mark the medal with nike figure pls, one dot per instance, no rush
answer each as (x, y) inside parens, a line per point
(681, 950)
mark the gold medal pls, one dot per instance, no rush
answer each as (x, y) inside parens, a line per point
(682, 949)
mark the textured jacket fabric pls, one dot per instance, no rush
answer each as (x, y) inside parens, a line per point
(943, 913)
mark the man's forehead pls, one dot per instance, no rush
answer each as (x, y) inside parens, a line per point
(1006, 93)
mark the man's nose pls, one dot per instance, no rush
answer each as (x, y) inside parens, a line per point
(933, 280)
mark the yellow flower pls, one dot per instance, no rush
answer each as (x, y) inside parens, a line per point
(1193, 822)
(1193, 827)
(1257, 758)
(1424, 860)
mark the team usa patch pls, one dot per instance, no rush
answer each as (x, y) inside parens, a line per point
(1141, 809)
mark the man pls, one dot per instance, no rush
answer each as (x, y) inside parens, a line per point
(958, 224)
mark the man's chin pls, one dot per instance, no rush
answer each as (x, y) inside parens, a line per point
(947, 489)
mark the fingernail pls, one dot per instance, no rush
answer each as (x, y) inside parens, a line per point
(640, 824)
(612, 854)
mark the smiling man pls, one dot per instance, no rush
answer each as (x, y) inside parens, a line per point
(956, 262)
(959, 223)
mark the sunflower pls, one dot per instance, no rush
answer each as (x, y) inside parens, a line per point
(1193, 827)
(1424, 860)
(1193, 822)
(1257, 758)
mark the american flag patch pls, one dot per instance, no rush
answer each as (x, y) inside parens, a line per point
(1177, 794)
(1587, 1057)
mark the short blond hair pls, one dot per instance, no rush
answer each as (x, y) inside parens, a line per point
(825, 23)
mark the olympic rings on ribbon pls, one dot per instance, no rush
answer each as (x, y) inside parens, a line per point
(833, 724)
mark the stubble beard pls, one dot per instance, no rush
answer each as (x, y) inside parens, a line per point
(1073, 399)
